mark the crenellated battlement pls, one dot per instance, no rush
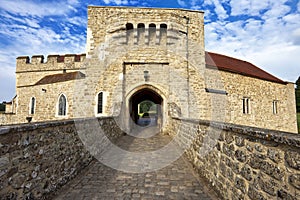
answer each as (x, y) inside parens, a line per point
(53, 62)
(143, 27)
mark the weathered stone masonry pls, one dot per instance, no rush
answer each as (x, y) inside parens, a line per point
(242, 162)
(37, 159)
(125, 42)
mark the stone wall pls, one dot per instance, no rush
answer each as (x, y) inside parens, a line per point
(29, 71)
(242, 162)
(261, 95)
(122, 44)
(37, 159)
(46, 103)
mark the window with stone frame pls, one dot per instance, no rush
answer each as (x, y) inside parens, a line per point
(246, 105)
(62, 105)
(100, 103)
(32, 106)
(275, 107)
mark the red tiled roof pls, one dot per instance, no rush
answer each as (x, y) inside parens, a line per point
(55, 78)
(234, 65)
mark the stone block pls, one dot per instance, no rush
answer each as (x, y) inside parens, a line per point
(239, 141)
(229, 137)
(293, 159)
(4, 161)
(241, 155)
(240, 183)
(294, 180)
(257, 160)
(246, 172)
(283, 195)
(275, 155)
(255, 194)
(268, 185)
(272, 170)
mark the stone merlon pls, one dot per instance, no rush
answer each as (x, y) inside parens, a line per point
(24, 63)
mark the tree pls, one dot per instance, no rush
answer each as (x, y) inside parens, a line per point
(2, 107)
(297, 94)
(145, 106)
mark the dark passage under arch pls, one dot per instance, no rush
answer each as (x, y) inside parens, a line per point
(143, 95)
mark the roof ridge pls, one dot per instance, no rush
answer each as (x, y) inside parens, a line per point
(257, 72)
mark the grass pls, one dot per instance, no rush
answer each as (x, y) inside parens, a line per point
(298, 122)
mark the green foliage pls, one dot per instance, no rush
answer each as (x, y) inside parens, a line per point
(297, 94)
(2, 107)
(145, 106)
(298, 122)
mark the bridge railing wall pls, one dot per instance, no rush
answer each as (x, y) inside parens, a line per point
(242, 162)
(38, 158)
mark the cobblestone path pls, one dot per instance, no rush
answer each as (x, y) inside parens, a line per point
(176, 181)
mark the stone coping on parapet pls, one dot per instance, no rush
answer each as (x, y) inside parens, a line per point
(46, 124)
(36, 59)
(149, 8)
(268, 135)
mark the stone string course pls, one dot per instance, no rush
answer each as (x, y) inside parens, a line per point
(242, 162)
(36, 159)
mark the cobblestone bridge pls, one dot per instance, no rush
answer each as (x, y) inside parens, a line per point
(56, 160)
(176, 181)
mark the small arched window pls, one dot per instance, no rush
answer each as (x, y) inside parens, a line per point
(62, 105)
(32, 106)
(141, 32)
(129, 26)
(163, 26)
(100, 103)
(163, 34)
(129, 33)
(152, 33)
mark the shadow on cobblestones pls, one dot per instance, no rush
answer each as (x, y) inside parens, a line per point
(176, 181)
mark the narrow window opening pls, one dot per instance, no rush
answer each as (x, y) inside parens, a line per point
(32, 106)
(62, 105)
(129, 33)
(246, 105)
(275, 108)
(152, 33)
(141, 33)
(129, 26)
(163, 34)
(100, 103)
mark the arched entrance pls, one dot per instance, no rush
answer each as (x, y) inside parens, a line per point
(145, 108)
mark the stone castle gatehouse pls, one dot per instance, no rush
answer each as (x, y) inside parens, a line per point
(136, 55)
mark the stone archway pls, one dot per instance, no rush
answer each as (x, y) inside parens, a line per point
(153, 116)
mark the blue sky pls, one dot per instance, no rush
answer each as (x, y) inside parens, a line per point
(264, 32)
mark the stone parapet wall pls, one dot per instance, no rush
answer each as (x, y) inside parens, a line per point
(103, 21)
(36, 159)
(29, 71)
(6, 118)
(242, 162)
(54, 62)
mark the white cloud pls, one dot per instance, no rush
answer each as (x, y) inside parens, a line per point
(272, 44)
(271, 40)
(219, 9)
(120, 2)
(248, 7)
(181, 3)
(79, 21)
(30, 8)
(276, 11)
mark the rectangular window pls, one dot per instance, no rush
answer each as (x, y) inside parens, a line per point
(246, 105)
(32, 106)
(100, 102)
(275, 108)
